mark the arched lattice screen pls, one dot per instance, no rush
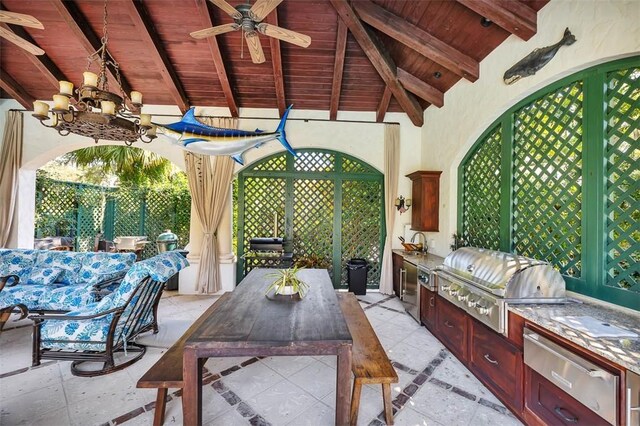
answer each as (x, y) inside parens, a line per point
(327, 205)
(557, 178)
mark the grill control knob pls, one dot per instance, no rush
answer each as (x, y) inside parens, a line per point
(482, 308)
(463, 295)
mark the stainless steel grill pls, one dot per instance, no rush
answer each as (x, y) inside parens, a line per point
(483, 282)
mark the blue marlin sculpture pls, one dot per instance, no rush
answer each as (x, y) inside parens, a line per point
(192, 135)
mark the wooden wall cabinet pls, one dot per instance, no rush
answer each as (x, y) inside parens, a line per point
(425, 200)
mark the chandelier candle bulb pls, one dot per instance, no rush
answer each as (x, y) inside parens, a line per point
(145, 119)
(66, 88)
(90, 79)
(60, 103)
(151, 132)
(136, 98)
(108, 108)
(41, 109)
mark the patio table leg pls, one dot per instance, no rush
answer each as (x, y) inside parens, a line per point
(192, 390)
(343, 385)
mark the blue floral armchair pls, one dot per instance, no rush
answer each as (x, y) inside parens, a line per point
(96, 331)
(60, 281)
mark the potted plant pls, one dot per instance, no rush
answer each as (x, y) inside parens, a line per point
(287, 283)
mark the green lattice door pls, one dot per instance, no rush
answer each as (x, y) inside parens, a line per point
(327, 206)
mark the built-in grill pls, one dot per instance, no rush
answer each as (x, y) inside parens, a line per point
(267, 252)
(483, 282)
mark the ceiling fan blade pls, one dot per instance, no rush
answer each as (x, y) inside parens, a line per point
(227, 8)
(20, 42)
(20, 19)
(213, 31)
(284, 34)
(262, 8)
(255, 47)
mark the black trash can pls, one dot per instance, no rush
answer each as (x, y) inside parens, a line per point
(357, 276)
(172, 283)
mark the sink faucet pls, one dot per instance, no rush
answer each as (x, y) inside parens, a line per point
(424, 240)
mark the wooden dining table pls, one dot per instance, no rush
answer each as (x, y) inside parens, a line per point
(250, 323)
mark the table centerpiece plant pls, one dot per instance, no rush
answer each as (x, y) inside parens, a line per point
(287, 282)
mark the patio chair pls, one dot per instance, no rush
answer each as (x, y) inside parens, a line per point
(97, 331)
(6, 311)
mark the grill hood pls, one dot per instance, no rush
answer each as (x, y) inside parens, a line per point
(505, 275)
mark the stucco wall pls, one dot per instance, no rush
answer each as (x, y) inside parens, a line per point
(605, 30)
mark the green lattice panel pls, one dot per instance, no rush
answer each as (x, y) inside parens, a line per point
(314, 161)
(159, 215)
(278, 163)
(55, 208)
(547, 179)
(622, 210)
(264, 204)
(313, 221)
(91, 202)
(362, 226)
(351, 165)
(128, 213)
(481, 196)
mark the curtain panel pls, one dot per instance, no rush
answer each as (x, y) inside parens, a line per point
(10, 159)
(210, 182)
(391, 170)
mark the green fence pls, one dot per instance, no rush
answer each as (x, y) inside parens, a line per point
(82, 211)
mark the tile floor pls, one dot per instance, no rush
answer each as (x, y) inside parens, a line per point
(434, 388)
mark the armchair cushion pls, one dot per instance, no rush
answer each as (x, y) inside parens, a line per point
(67, 298)
(43, 276)
(99, 267)
(90, 335)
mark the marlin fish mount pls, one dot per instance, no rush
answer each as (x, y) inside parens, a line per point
(537, 59)
(192, 135)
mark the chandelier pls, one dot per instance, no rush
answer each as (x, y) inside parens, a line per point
(94, 111)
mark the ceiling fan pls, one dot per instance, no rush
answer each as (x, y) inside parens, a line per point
(24, 21)
(248, 18)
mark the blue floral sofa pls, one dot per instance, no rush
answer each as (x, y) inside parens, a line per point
(93, 333)
(44, 280)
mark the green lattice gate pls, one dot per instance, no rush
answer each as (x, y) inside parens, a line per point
(327, 205)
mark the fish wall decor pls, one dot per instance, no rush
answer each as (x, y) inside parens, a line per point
(195, 136)
(537, 59)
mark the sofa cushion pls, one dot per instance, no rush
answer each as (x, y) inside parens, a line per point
(44, 276)
(28, 295)
(17, 262)
(70, 262)
(100, 267)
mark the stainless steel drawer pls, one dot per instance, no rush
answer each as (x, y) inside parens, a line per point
(594, 387)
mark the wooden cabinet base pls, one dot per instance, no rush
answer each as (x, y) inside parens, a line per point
(452, 328)
(546, 404)
(428, 302)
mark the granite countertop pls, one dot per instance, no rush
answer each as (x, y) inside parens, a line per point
(427, 260)
(622, 351)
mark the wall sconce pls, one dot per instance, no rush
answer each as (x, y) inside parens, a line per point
(402, 204)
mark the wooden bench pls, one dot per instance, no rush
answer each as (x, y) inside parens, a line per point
(370, 363)
(167, 371)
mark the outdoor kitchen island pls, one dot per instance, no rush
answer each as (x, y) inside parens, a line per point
(599, 384)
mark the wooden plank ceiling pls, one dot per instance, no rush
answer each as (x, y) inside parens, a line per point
(365, 55)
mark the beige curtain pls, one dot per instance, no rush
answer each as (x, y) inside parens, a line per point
(10, 159)
(391, 169)
(210, 182)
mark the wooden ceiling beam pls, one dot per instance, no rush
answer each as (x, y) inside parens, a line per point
(16, 91)
(381, 61)
(383, 106)
(83, 33)
(42, 63)
(276, 61)
(154, 46)
(420, 88)
(418, 39)
(205, 14)
(338, 69)
(513, 16)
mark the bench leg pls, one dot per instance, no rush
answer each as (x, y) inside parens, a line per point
(388, 408)
(161, 404)
(355, 401)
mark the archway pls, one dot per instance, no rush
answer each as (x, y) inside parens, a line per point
(326, 204)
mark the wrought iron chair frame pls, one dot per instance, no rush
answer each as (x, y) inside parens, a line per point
(145, 298)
